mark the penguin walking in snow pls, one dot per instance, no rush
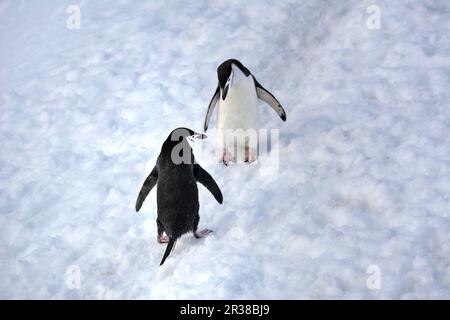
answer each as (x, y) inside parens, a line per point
(237, 95)
(176, 173)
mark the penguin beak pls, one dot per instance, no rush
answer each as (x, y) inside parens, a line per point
(200, 136)
(228, 85)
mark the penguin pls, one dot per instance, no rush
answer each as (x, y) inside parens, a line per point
(176, 175)
(237, 95)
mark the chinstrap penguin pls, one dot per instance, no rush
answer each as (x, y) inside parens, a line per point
(237, 95)
(176, 175)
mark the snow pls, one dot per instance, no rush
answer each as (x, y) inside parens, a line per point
(364, 156)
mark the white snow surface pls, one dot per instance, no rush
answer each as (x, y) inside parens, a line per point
(364, 176)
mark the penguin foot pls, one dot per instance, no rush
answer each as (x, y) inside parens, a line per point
(226, 157)
(250, 156)
(163, 239)
(201, 234)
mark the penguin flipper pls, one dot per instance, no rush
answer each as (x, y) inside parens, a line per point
(212, 105)
(169, 249)
(269, 98)
(148, 185)
(205, 179)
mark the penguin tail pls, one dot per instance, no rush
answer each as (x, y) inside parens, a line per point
(169, 249)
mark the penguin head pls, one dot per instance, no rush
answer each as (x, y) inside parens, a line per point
(177, 148)
(181, 133)
(226, 73)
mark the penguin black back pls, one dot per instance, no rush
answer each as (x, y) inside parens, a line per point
(176, 175)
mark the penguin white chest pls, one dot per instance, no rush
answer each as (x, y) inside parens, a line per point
(239, 110)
